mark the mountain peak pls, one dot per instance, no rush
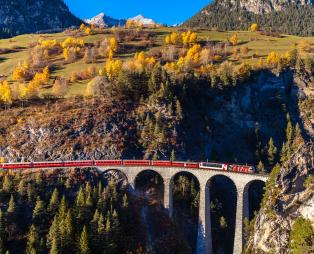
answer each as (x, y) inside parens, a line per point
(142, 20)
(102, 20)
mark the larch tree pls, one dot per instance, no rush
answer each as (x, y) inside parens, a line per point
(83, 243)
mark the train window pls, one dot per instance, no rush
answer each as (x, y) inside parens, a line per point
(212, 165)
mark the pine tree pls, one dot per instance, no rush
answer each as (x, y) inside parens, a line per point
(179, 114)
(54, 201)
(62, 207)
(80, 199)
(22, 188)
(100, 189)
(68, 183)
(173, 156)
(115, 225)
(298, 140)
(89, 200)
(7, 184)
(39, 212)
(67, 238)
(289, 131)
(32, 241)
(54, 234)
(83, 244)
(125, 202)
(11, 208)
(271, 152)
(260, 167)
(54, 247)
(100, 233)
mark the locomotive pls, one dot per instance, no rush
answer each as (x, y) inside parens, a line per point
(98, 163)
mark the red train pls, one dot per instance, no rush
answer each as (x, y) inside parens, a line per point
(92, 163)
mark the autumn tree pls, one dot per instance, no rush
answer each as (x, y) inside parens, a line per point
(83, 244)
(32, 241)
(273, 59)
(254, 27)
(59, 87)
(234, 40)
(5, 93)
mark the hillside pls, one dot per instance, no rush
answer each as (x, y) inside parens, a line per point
(158, 93)
(296, 19)
(29, 16)
(285, 222)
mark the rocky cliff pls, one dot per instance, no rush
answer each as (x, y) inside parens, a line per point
(29, 16)
(289, 196)
(262, 6)
(284, 16)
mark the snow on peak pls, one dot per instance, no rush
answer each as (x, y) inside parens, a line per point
(145, 21)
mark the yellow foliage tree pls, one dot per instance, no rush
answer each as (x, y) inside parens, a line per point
(193, 54)
(32, 90)
(273, 58)
(42, 78)
(254, 27)
(189, 37)
(21, 71)
(82, 27)
(5, 93)
(173, 38)
(72, 42)
(88, 31)
(234, 40)
(48, 44)
(112, 69)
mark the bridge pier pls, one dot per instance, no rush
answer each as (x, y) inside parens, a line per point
(168, 196)
(241, 213)
(204, 236)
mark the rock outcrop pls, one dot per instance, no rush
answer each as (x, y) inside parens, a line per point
(262, 6)
(284, 16)
(288, 199)
(30, 16)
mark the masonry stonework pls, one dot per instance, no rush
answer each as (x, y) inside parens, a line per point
(204, 238)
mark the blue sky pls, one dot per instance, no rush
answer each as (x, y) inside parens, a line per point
(163, 11)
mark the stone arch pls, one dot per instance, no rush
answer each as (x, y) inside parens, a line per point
(117, 175)
(183, 206)
(150, 182)
(252, 197)
(223, 198)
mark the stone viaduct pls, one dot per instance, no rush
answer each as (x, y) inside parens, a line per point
(204, 238)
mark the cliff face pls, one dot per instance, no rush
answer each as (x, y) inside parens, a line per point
(289, 198)
(263, 6)
(284, 16)
(28, 16)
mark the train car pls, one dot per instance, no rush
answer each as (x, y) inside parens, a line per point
(192, 165)
(78, 164)
(52, 164)
(214, 166)
(108, 163)
(242, 168)
(22, 165)
(178, 164)
(161, 163)
(136, 163)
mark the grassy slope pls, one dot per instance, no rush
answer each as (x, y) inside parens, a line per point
(256, 43)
